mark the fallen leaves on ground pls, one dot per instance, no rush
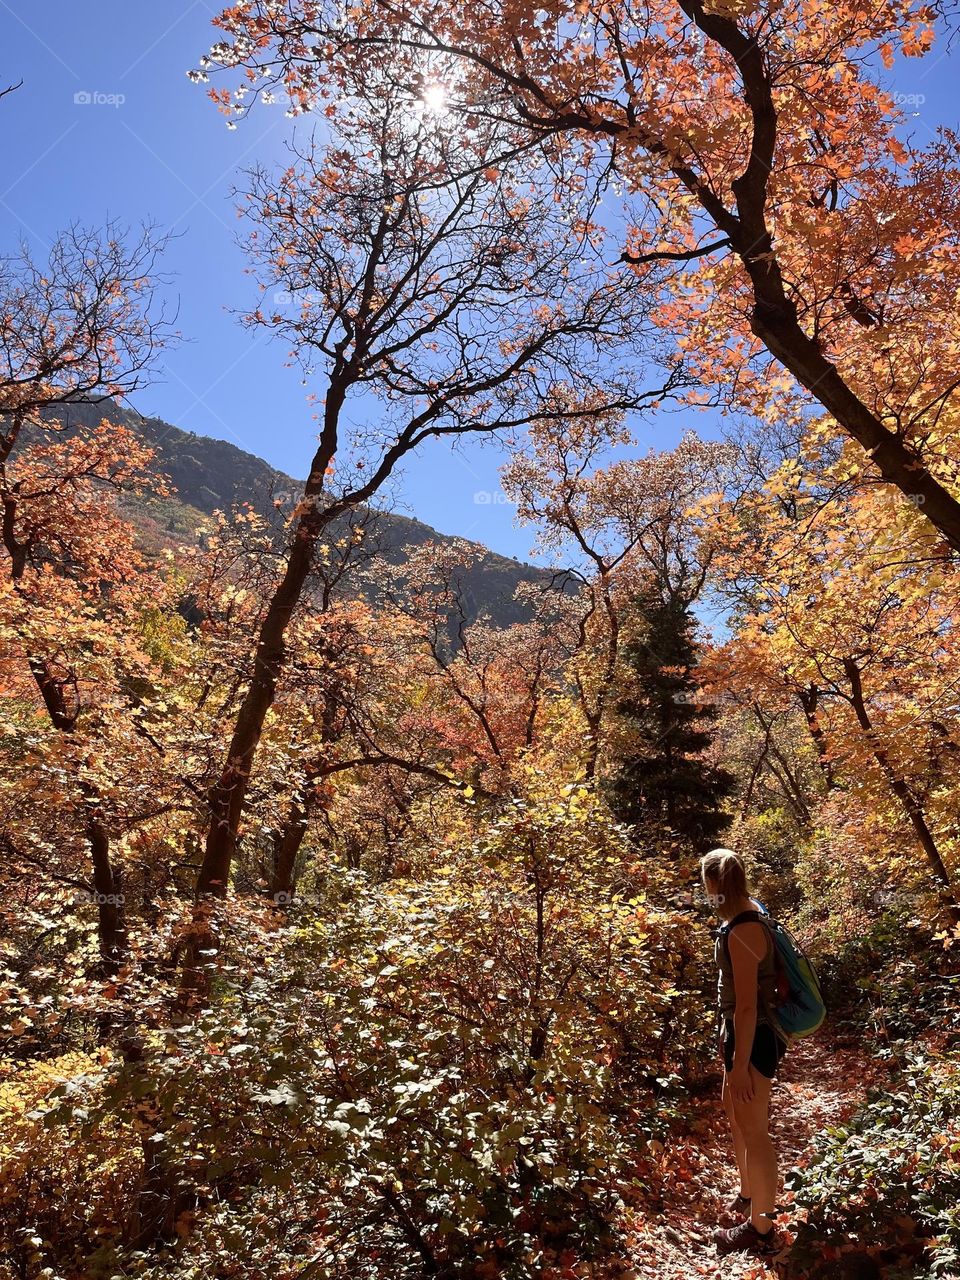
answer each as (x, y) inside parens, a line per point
(820, 1086)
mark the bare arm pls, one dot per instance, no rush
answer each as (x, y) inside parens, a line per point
(747, 944)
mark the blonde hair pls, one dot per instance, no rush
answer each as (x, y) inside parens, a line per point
(725, 870)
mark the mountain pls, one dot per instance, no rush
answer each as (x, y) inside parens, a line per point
(209, 475)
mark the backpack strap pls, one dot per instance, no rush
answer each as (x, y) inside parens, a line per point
(742, 918)
(751, 917)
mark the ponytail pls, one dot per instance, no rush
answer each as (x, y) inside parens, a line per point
(723, 870)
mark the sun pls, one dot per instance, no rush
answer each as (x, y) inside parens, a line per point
(434, 98)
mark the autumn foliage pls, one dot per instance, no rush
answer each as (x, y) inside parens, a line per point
(349, 934)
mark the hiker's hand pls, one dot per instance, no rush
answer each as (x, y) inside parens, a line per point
(741, 1084)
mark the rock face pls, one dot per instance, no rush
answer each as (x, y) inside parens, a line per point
(210, 475)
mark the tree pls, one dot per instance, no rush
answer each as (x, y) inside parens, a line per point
(847, 610)
(487, 690)
(83, 325)
(794, 240)
(448, 302)
(663, 777)
(628, 525)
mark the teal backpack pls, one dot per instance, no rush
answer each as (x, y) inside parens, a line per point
(800, 1008)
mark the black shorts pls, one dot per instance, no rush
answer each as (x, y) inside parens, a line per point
(766, 1053)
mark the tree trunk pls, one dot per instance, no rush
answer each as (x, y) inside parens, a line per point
(898, 785)
(781, 332)
(108, 888)
(755, 771)
(775, 319)
(789, 783)
(809, 699)
(286, 848)
(595, 716)
(228, 795)
(538, 1031)
(107, 880)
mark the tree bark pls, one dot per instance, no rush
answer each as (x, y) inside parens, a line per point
(784, 337)
(286, 848)
(228, 795)
(107, 880)
(809, 699)
(775, 320)
(108, 887)
(898, 784)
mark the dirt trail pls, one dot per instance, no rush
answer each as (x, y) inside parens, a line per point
(819, 1086)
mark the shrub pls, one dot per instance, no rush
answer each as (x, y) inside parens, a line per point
(460, 1075)
(892, 980)
(58, 1196)
(888, 1182)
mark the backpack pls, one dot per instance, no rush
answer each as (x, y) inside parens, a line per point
(800, 1008)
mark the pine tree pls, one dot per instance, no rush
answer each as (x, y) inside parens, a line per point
(666, 779)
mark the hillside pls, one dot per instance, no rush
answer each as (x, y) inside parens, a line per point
(209, 475)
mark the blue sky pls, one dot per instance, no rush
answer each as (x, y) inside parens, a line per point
(151, 146)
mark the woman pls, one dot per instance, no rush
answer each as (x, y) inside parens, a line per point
(750, 1047)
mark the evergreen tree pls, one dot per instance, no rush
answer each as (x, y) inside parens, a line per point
(665, 779)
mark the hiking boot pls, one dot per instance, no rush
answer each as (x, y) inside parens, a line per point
(747, 1239)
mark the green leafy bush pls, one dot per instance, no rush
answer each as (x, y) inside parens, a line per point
(891, 979)
(458, 1076)
(888, 1182)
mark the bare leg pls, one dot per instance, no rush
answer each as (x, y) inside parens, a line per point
(739, 1146)
(753, 1120)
